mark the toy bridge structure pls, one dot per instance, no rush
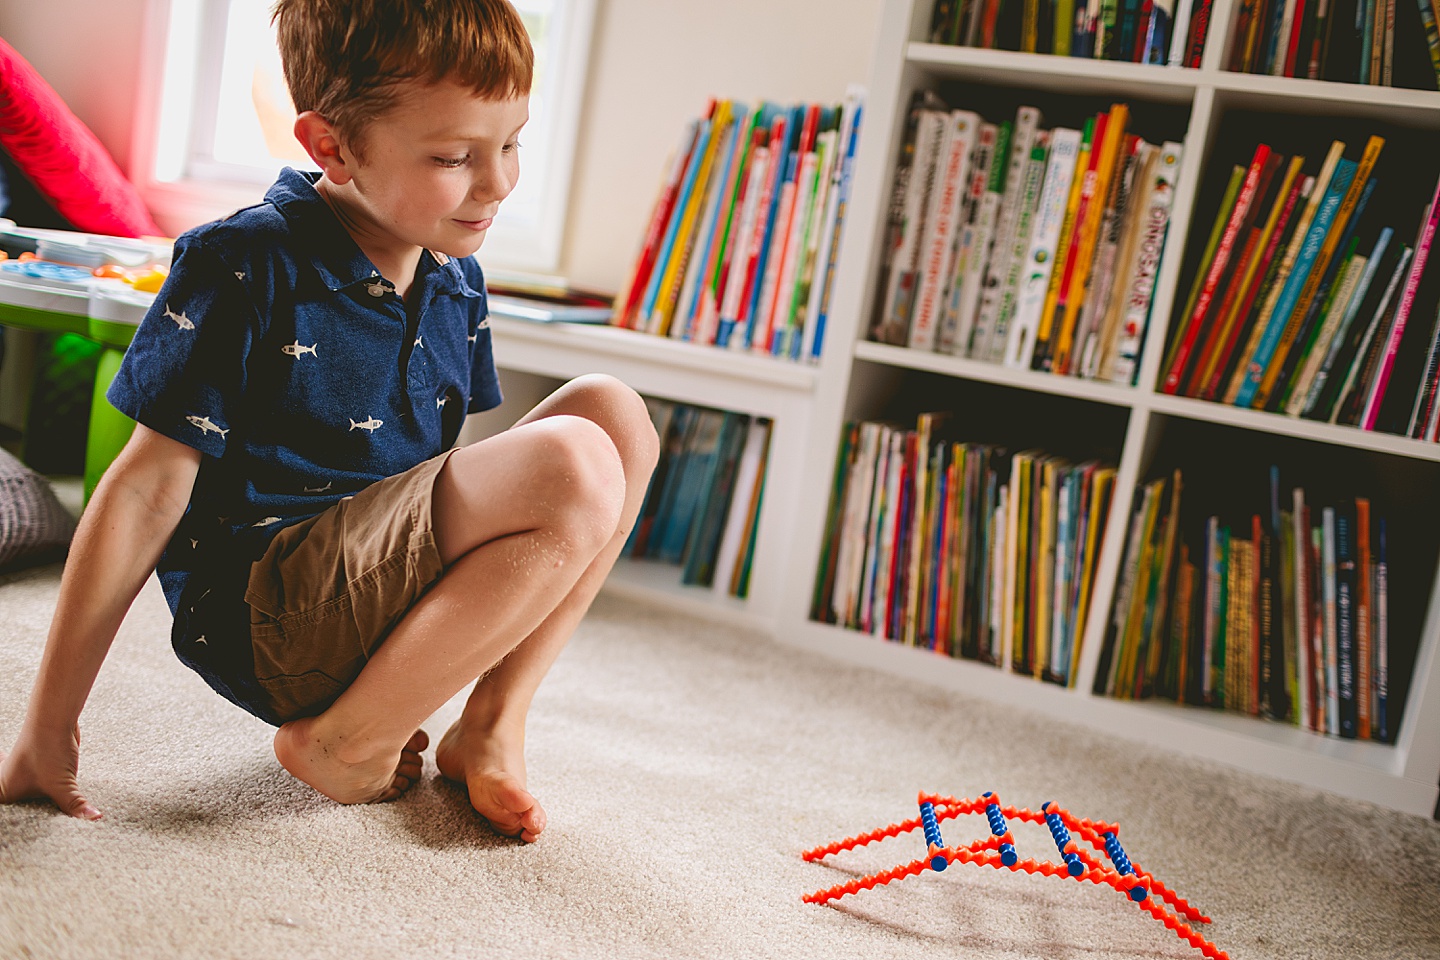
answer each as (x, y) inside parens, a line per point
(998, 850)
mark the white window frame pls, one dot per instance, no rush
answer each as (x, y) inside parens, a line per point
(182, 192)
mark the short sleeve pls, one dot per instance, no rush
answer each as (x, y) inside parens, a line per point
(184, 373)
(484, 381)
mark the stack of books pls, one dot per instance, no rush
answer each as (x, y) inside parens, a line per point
(962, 548)
(1137, 31)
(701, 509)
(1282, 616)
(1390, 43)
(1037, 248)
(743, 240)
(1299, 307)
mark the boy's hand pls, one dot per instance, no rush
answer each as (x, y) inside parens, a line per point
(43, 765)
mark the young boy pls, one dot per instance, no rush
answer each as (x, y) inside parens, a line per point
(334, 567)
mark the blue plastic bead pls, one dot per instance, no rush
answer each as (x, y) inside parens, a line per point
(1116, 853)
(1138, 893)
(1008, 856)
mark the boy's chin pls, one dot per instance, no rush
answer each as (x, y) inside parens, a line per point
(461, 248)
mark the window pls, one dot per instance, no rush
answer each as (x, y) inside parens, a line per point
(213, 128)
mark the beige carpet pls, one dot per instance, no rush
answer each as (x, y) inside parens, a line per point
(684, 767)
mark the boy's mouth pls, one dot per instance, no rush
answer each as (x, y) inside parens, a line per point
(476, 225)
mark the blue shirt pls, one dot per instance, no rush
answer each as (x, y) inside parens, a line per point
(277, 349)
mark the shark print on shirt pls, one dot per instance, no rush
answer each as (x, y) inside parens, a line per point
(206, 425)
(297, 351)
(370, 423)
(181, 321)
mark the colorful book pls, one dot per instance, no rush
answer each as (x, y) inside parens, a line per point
(1259, 364)
(1407, 299)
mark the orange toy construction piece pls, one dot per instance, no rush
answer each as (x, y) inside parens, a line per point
(998, 850)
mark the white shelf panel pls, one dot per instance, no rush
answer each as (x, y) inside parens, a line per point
(658, 366)
(1419, 108)
(965, 369)
(1348, 437)
(1362, 771)
(659, 584)
(1042, 71)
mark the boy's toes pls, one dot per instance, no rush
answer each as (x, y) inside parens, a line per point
(408, 770)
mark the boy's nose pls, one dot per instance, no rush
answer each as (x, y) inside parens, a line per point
(495, 182)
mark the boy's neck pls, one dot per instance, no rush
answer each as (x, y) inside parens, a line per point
(396, 261)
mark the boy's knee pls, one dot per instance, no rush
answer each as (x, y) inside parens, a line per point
(624, 414)
(579, 476)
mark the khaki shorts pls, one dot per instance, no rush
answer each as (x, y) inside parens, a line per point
(330, 589)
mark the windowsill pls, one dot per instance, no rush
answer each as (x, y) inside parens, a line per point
(184, 204)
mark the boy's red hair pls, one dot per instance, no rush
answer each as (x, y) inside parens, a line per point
(343, 59)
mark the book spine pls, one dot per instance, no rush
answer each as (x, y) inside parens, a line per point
(778, 244)
(1364, 617)
(1179, 30)
(1154, 225)
(940, 231)
(1259, 363)
(1097, 319)
(1196, 321)
(1040, 257)
(741, 273)
(850, 135)
(681, 242)
(1235, 325)
(953, 337)
(1402, 314)
(1331, 592)
(991, 319)
(650, 247)
(1358, 185)
(1269, 324)
(1352, 310)
(1345, 590)
(900, 294)
(1383, 731)
(1094, 198)
(1184, 331)
(765, 251)
(1045, 333)
(1351, 397)
(1335, 314)
(1006, 340)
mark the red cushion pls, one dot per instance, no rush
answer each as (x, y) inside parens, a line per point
(60, 155)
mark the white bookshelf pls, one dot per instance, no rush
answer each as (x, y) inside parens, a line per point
(857, 375)
(810, 404)
(701, 375)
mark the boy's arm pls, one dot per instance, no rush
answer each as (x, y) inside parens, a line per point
(134, 511)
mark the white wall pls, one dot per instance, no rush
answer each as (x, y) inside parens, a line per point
(652, 67)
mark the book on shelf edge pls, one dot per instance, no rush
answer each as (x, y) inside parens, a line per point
(1345, 595)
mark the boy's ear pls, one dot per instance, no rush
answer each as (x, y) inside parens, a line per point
(323, 144)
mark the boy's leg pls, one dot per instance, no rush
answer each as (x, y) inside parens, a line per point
(485, 748)
(519, 519)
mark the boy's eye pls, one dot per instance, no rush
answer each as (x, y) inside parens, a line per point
(512, 146)
(450, 162)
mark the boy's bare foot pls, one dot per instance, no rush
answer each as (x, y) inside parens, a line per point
(311, 759)
(493, 772)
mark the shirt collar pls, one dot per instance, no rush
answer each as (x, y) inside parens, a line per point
(337, 258)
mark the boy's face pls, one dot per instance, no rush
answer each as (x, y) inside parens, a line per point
(435, 168)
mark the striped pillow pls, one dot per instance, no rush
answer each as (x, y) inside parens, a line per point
(34, 527)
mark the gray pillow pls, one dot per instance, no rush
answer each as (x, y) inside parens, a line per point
(34, 527)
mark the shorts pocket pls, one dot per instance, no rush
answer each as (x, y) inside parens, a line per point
(304, 661)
